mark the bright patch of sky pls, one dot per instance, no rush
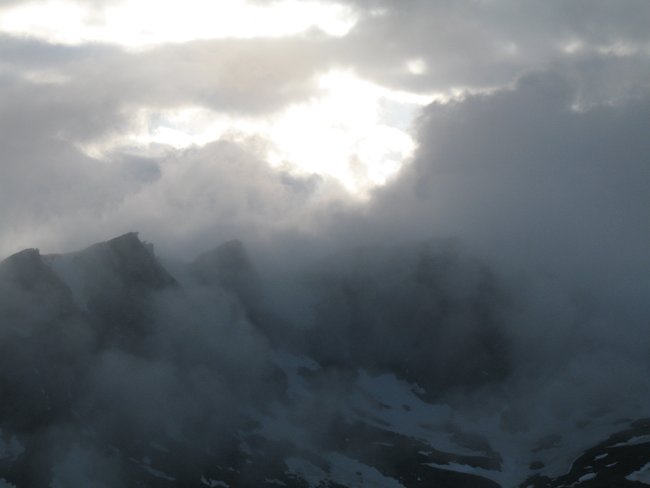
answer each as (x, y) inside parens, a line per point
(143, 23)
(355, 131)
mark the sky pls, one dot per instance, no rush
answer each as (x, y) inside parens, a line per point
(520, 126)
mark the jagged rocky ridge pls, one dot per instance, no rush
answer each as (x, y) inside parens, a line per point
(116, 372)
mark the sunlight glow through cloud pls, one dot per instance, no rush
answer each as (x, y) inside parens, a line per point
(356, 132)
(143, 23)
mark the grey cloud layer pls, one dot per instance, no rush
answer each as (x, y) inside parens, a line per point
(464, 43)
(485, 44)
(521, 177)
(47, 181)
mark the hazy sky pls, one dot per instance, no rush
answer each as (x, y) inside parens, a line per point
(197, 121)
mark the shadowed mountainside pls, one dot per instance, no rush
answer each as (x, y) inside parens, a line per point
(115, 373)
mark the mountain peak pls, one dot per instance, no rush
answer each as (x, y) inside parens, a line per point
(26, 279)
(131, 259)
(25, 268)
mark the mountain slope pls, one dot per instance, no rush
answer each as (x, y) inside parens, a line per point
(115, 373)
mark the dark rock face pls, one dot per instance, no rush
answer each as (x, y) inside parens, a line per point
(43, 339)
(131, 261)
(85, 383)
(31, 292)
(110, 370)
(118, 278)
(118, 273)
(406, 313)
(229, 267)
(412, 463)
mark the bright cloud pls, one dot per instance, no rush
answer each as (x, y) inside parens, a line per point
(142, 23)
(354, 131)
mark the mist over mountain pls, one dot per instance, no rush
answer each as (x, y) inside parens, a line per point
(480, 321)
(403, 370)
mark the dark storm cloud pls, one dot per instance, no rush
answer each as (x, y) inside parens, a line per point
(524, 169)
(558, 201)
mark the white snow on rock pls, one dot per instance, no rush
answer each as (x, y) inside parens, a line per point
(158, 474)
(634, 441)
(349, 472)
(393, 405)
(342, 470)
(144, 464)
(463, 468)
(642, 475)
(214, 483)
(587, 477)
(311, 473)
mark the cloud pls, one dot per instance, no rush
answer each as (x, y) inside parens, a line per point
(56, 100)
(486, 44)
(522, 169)
(222, 190)
(216, 74)
(556, 200)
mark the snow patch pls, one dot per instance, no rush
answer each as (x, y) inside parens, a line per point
(214, 483)
(642, 475)
(634, 441)
(156, 473)
(458, 468)
(393, 405)
(312, 474)
(347, 471)
(342, 470)
(587, 477)
(152, 471)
